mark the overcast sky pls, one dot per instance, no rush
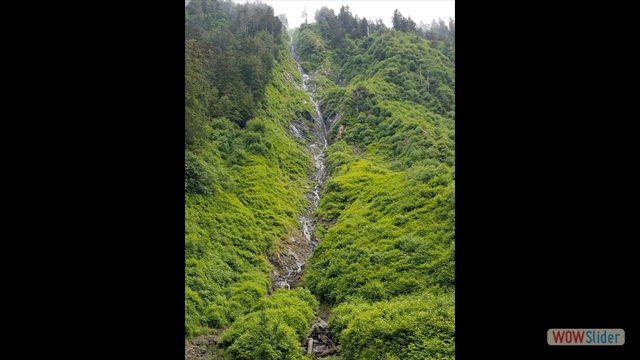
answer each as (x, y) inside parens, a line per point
(425, 10)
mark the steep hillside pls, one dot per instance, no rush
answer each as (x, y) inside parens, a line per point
(386, 259)
(245, 176)
(383, 271)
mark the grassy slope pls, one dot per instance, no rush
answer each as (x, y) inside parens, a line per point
(387, 259)
(256, 178)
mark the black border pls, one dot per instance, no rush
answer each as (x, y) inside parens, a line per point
(98, 89)
(138, 125)
(546, 180)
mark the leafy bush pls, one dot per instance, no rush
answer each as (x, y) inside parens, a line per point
(199, 179)
(275, 331)
(421, 327)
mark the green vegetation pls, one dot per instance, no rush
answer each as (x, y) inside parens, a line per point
(275, 329)
(244, 174)
(386, 263)
(408, 328)
(387, 256)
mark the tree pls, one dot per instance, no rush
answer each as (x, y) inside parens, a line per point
(434, 29)
(330, 28)
(411, 25)
(283, 19)
(396, 19)
(344, 17)
(363, 29)
(442, 29)
(304, 15)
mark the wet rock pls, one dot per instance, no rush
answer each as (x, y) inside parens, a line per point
(339, 78)
(201, 347)
(296, 130)
(289, 259)
(307, 115)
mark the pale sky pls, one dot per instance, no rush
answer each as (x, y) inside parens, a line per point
(425, 10)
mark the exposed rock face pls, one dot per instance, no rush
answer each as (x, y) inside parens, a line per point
(288, 260)
(201, 347)
(288, 263)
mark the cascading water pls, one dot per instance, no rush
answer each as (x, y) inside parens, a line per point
(292, 269)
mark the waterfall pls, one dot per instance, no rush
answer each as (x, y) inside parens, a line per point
(294, 267)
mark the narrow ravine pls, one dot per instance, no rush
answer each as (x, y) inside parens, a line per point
(289, 266)
(319, 338)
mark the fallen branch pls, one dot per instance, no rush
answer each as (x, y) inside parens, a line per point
(328, 352)
(326, 340)
(322, 323)
(310, 346)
